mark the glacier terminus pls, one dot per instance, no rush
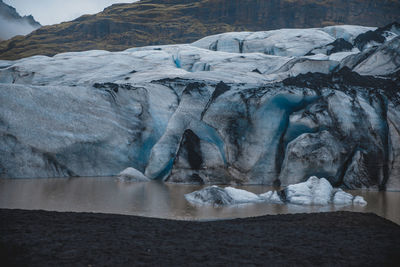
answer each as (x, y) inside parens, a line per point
(272, 108)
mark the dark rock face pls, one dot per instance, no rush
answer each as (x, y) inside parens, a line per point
(344, 79)
(378, 36)
(339, 45)
(371, 36)
(150, 22)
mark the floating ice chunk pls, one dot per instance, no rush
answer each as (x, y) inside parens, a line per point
(275, 198)
(131, 174)
(271, 196)
(322, 191)
(359, 200)
(319, 192)
(241, 196)
(212, 195)
(267, 195)
(342, 198)
(313, 191)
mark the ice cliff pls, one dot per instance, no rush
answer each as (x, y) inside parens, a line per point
(271, 107)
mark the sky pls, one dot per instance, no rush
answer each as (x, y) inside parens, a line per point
(49, 12)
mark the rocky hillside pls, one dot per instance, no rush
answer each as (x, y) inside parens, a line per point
(271, 107)
(13, 24)
(150, 22)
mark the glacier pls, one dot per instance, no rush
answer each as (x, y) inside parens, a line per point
(272, 107)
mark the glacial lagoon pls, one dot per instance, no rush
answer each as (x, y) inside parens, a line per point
(161, 200)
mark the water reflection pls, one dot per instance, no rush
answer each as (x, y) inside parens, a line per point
(156, 199)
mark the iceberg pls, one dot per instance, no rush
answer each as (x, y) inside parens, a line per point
(359, 200)
(314, 191)
(342, 198)
(132, 175)
(271, 197)
(211, 195)
(241, 196)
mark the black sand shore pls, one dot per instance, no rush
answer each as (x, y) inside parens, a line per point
(42, 238)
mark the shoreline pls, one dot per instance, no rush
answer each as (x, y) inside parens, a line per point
(42, 238)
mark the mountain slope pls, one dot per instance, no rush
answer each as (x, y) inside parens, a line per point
(13, 24)
(181, 21)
